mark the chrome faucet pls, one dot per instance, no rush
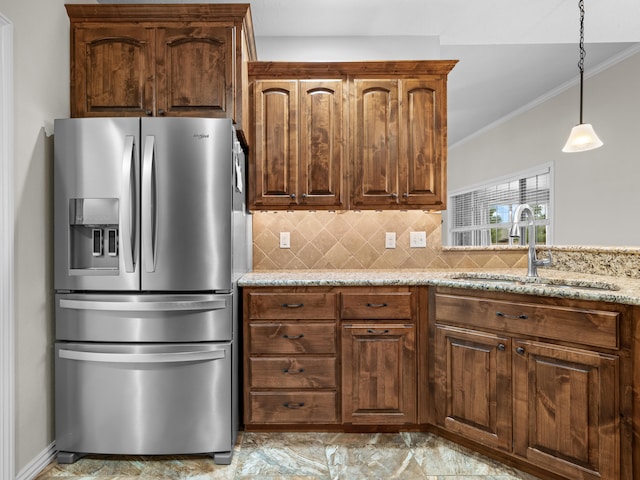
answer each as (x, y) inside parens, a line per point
(533, 262)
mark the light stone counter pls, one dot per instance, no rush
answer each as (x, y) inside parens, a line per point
(627, 290)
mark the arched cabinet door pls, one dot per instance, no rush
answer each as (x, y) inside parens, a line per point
(374, 135)
(423, 143)
(112, 71)
(195, 72)
(274, 170)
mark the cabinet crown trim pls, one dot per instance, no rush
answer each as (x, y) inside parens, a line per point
(319, 69)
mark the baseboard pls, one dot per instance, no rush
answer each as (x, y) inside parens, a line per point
(35, 466)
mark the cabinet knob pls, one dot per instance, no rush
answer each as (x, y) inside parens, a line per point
(293, 196)
(405, 195)
(148, 112)
(520, 350)
(394, 195)
(304, 195)
(160, 111)
(501, 347)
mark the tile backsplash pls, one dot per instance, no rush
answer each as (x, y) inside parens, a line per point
(356, 240)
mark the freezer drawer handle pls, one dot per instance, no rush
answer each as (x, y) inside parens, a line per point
(143, 306)
(141, 357)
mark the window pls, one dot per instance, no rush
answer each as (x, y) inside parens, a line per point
(482, 216)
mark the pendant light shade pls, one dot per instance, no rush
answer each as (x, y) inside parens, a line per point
(582, 136)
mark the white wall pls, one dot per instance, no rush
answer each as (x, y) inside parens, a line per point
(41, 88)
(596, 192)
(345, 49)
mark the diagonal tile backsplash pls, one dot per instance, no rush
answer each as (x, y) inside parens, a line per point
(356, 240)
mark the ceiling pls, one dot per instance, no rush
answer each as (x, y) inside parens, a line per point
(511, 53)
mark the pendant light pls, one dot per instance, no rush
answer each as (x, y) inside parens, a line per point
(582, 136)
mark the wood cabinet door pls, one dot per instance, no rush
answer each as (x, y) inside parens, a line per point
(112, 71)
(274, 169)
(565, 410)
(378, 373)
(195, 72)
(422, 165)
(472, 396)
(321, 133)
(375, 143)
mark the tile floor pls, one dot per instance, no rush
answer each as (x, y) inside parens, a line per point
(304, 456)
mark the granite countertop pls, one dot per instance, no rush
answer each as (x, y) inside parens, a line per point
(621, 290)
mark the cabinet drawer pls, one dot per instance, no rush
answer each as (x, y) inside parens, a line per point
(589, 327)
(372, 306)
(292, 306)
(292, 337)
(293, 407)
(293, 372)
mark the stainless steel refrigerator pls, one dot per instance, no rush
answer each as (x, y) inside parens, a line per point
(151, 233)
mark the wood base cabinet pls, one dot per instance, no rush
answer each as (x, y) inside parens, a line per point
(332, 358)
(565, 414)
(473, 384)
(378, 358)
(290, 360)
(506, 375)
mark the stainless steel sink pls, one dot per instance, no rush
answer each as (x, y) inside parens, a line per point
(536, 281)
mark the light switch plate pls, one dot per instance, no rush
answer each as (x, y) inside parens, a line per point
(417, 239)
(390, 240)
(285, 240)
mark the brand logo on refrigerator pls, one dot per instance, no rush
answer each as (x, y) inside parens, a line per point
(200, 136)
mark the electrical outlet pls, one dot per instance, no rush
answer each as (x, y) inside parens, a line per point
(285, 240)
(418, 239)
(390, 240)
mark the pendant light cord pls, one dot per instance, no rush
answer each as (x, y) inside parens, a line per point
(583, 53)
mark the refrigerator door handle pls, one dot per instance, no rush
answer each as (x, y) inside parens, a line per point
(149, 204)
(126, 215)
(123, 306)
(141, 357)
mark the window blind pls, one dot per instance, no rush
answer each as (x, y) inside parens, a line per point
(482, 216)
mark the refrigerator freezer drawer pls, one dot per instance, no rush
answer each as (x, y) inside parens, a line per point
(144, 318)
(143, 399)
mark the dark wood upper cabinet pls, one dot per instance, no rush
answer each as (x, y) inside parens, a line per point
(298, 130)
(154, 60)
(359, 135)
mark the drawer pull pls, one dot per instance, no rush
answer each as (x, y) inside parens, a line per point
(376, 305)
(378, 332)
(520, 350)
(293, 405)
(508, 315)
(293, 337)
(502, 347)
(287, 370)
(293, 305)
